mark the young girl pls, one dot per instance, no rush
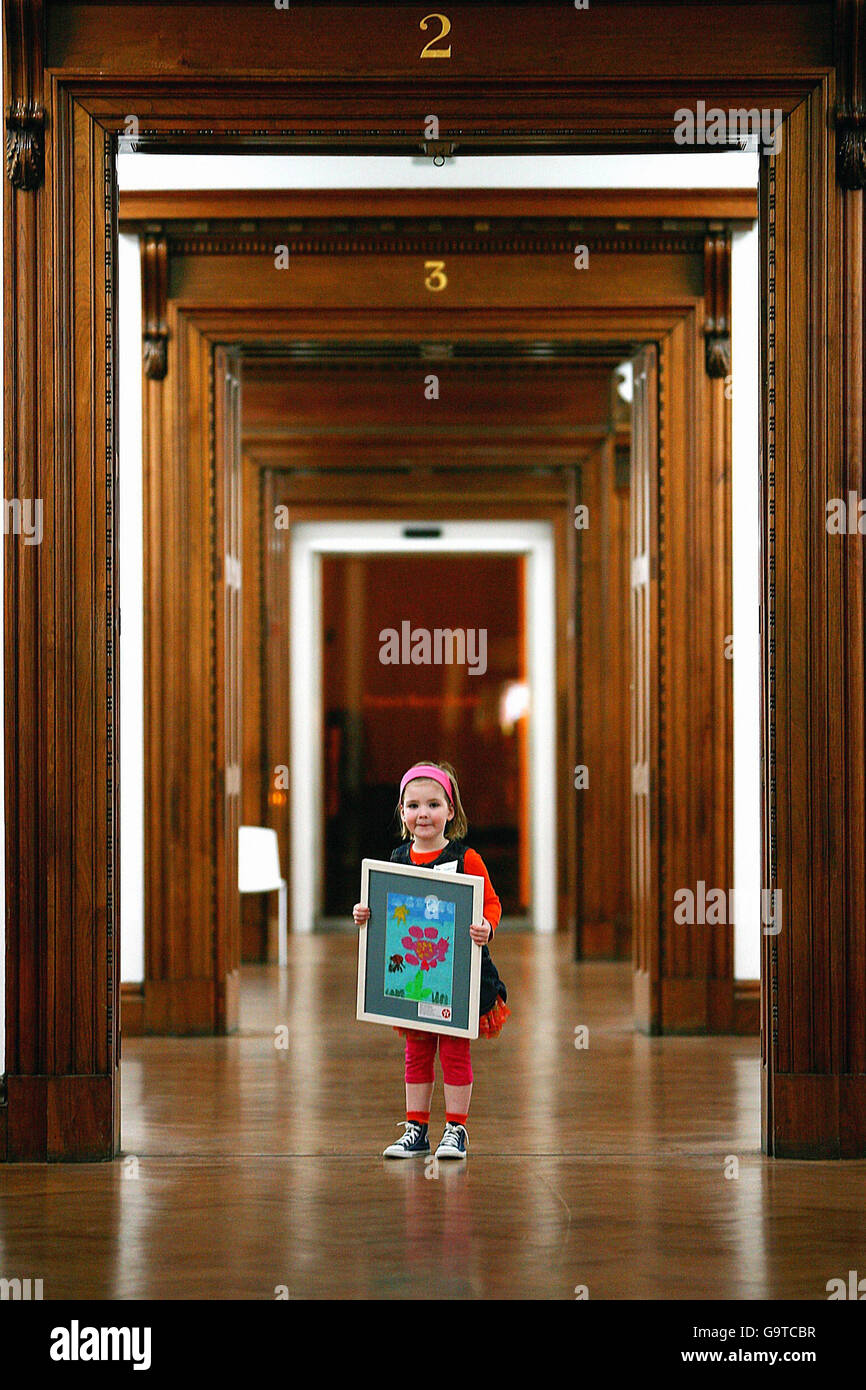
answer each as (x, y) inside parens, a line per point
(434, 824)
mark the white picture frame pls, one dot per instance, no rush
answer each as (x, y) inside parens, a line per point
(375, 1004)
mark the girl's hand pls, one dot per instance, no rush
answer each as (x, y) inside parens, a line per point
(361, 914)
(481, 931)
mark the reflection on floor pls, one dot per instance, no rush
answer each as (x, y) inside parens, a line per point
(248, 1167)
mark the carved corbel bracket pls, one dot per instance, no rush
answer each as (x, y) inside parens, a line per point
(850, 116)
(25, 147)
(25, 116)
(154, 295)
(717, 294)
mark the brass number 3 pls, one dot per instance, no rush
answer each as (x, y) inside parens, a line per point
(437, 279)
(428, 51)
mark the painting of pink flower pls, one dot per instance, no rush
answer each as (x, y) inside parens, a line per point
(418, 959)
(425, 947)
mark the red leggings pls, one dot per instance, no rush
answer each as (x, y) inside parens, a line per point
(453, 1055)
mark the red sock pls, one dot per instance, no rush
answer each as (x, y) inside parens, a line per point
(453, 1119)
(418, 1117)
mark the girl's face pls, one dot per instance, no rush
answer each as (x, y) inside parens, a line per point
(426, 811)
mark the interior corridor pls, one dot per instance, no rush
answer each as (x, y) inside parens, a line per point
(249, 1167)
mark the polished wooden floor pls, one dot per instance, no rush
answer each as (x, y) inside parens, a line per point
(247, 1167)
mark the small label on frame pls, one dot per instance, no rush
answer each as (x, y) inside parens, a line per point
(440, 1011)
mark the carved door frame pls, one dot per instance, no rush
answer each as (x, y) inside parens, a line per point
(196, 246)
(71, 84)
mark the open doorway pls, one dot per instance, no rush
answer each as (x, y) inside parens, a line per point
(479, 693)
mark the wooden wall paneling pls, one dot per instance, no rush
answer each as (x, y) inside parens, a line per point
(384, 397)
(604, 927)
(565, 678)
(686, 667)
(618, 491)
(224, 208)
(307, 504)
(62, 995)
(814, 965)
(576, 578)
(354, 453)
(590, 739)
(225, 445)
(568, 622)
(274, 637)
(162, 511)
(725, 1013)
(848, 439)
(29, 927)
(777, 54)
(696, 844)
(478, 276)
(367, 412)
(410, 485)
(533, 42)
(182, 735)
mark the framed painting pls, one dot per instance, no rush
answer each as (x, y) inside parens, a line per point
(418, 967)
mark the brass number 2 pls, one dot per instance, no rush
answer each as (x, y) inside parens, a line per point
(428, 51)
(437, 279)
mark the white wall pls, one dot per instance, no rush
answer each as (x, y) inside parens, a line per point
(131, 546)
(731, 169)
(745, 510)
(2, 746)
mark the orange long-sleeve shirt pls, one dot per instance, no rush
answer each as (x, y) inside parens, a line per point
(472, 864)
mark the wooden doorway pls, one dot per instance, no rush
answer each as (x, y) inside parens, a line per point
(74, 72)
(353, 402)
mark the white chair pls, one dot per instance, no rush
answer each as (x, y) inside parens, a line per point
(259, 872)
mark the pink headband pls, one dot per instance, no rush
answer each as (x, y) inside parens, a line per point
(434, 773)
